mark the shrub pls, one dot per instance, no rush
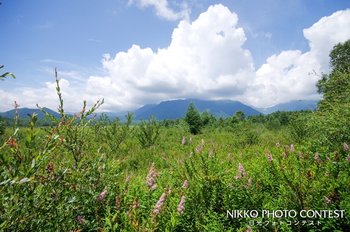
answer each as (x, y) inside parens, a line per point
(148, 132)
(113, 133)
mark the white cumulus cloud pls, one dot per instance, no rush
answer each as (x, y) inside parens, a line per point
(205, 59)
(292, 75)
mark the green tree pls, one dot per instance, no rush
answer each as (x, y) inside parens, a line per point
(331, 125)
(334, 84)
(207, 118)
(340, 57)
(239, 115)
(193, 119)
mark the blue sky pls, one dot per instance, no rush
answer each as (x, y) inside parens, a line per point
(262, 44)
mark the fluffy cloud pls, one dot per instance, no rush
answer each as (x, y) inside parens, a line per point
(205, 59)
(292, 75)
(163, 10)
(327, 32)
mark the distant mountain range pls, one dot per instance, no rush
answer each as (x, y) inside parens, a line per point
(177, 108)
(291, 106)
(26, 112)
(174, 109)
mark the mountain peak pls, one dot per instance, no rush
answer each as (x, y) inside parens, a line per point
(174, 109)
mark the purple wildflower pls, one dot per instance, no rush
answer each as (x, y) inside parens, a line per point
(241, 172)
(185, 184)
(269, 157)
(159, 204)
(80, 219)
(348, 158)
(181, 206)
(241, 169)
(345, 146)
(102, 195)
(151, 178)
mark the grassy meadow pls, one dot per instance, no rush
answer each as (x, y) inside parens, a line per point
(287, 171)
(86, 174)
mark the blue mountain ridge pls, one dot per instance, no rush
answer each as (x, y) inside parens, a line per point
(174, 109)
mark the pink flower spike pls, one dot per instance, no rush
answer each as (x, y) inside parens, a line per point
(102, 195)
(159, 204)
(269, 157)
(151, 178)
(185, 184)
(241, 170)
(181, 206)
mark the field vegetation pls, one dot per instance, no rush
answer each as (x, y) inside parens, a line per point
(85, 173)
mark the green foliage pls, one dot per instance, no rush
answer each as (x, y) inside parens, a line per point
(332, 84)
(207, 118)
(239, 116)
(68, 178)
(330, 125)
(299, 128)
(6, 74)
(113, 133)
(331, 128)
(2, 127)
(148, 132)
(336, 91)
(193, 119)
(340, 57)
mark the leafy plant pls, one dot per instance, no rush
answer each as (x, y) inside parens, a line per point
(6, 74)
(114, 133)
(148, 132)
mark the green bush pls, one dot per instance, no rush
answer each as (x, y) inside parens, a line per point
(148, 132)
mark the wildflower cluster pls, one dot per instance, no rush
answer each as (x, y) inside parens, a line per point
(151, 178)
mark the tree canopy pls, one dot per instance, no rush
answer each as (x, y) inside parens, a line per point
(193, 119)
